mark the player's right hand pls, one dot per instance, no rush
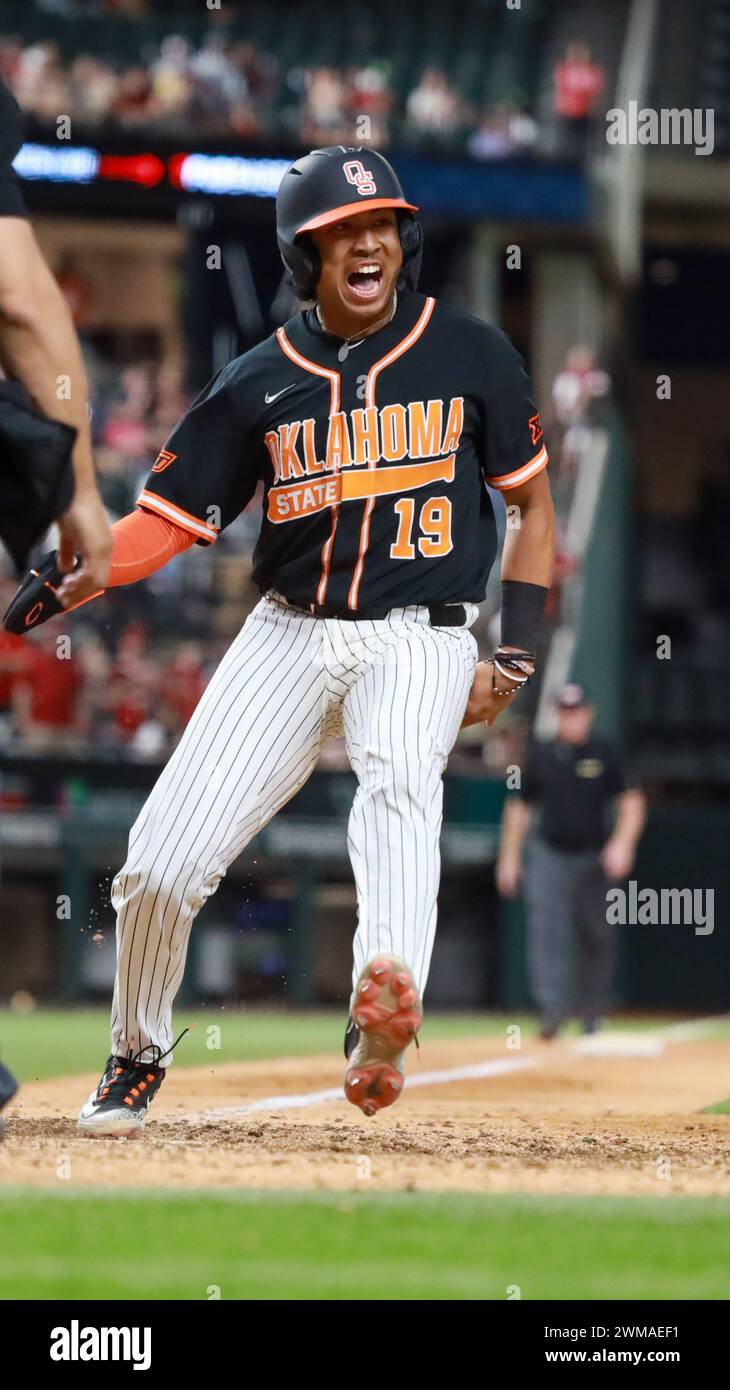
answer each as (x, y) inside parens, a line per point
(483, 705)
(508, 877)
(38, 597)
(84, 530)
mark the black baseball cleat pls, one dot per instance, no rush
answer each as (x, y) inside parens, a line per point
(117, 1109)
(8, 1087)
(352, 1037)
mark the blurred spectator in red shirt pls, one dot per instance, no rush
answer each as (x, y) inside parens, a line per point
(134, 682)
(131, 705)
(579, 82)
(132, 661)
(125, 430)
(182, 682)
(12, 662)
(45, 693)
(134, 103)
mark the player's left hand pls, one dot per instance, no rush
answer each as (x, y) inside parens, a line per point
(483, 705)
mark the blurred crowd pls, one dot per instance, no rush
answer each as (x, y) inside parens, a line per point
(229, 87)
(578, 386)
(116, 695)
(221, 88)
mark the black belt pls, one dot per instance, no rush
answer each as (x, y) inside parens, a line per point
(563, 847)
(440, 614)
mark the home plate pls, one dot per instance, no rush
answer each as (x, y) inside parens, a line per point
(619, 1045)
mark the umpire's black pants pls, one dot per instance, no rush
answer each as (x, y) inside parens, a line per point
(571, 948)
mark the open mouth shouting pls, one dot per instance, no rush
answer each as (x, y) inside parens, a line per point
(366, 282)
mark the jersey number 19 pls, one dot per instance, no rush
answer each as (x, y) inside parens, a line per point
(434, 523)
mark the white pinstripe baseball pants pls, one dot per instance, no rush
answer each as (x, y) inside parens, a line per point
(397, 687)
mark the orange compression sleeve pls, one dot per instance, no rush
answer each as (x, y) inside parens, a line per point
(143, 543)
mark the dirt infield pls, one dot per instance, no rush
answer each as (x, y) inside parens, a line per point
(570, 1123)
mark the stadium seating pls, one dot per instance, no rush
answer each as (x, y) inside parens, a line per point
(489, 55)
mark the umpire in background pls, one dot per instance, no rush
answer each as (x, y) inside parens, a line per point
(571, 786)
(39, 346)
(46, 468)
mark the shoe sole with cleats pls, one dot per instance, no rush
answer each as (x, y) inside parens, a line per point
(116, 1124)
(386, 1009)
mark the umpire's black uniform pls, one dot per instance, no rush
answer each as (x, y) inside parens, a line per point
(11, 198)
(571, 947)
(36, 473)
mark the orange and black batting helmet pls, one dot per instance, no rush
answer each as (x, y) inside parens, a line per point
(326, 185)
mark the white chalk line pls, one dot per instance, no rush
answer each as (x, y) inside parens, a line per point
(692, 1028)
(671, 1032)
(648, 1042)
(495, 1067)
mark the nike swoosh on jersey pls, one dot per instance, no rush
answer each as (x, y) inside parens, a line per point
(276, 394)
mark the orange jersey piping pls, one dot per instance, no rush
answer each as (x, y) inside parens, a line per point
(373, 374)
(522, 474)
(335, 382)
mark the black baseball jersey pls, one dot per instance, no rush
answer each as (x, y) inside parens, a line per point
(11, 136)
(374, 462)
(572, 786)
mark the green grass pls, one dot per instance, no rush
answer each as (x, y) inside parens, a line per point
(329, 1246)
(356, 1246)
(63, 1042)
(58, 1042)
(722, 1108)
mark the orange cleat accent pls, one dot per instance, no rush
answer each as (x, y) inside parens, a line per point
(387, 1011)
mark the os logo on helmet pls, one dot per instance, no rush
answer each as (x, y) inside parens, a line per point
(356, 173)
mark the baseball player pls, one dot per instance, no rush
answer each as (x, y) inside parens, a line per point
(374, 418)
